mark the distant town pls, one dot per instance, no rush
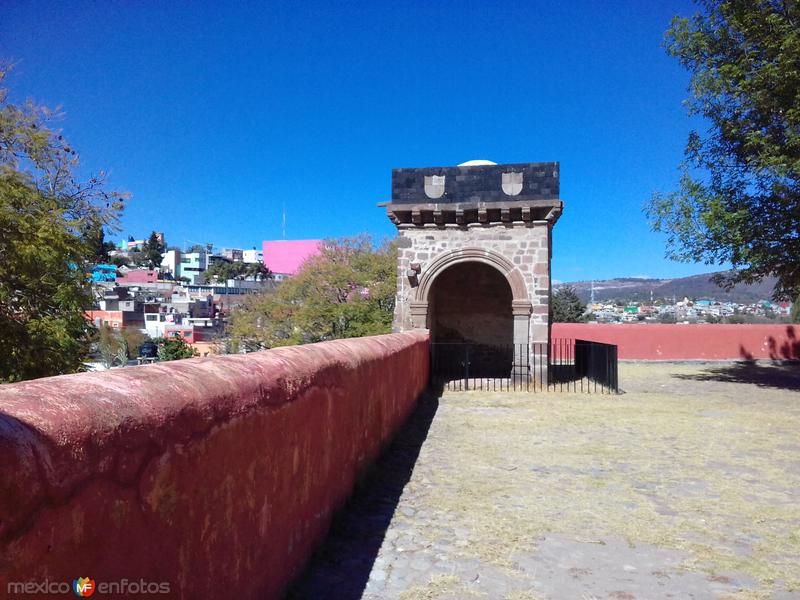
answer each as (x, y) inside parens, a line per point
(191, 291)
(688, 300)
(685, 310)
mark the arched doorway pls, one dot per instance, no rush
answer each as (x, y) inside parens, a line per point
(472, 322)
(470, 303)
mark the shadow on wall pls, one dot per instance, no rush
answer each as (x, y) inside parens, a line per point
(21, 502)
(341, 567)
(788, 349)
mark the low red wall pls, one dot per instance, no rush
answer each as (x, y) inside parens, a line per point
(686, 342)
(216, 476)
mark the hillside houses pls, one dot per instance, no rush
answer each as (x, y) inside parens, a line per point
(704, 310)
(180, 297)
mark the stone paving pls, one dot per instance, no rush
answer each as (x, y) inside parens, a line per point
(686, 486)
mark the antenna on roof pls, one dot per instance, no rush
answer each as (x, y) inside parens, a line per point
(283, 222)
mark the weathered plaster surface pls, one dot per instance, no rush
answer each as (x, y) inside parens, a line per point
(217, 475)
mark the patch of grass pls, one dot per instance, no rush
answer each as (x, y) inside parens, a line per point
(522, 595)
(435, 587)
(708, 468)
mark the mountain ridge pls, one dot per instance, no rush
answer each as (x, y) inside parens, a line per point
(637, 289)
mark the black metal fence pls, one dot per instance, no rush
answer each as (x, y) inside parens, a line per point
(583, 366)
(572, 365)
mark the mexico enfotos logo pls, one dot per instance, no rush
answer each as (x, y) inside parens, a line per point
(84, 587)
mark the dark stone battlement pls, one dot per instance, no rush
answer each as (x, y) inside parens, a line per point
(521, 182)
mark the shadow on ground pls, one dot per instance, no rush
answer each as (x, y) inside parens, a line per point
(341, 566)
(780, 376)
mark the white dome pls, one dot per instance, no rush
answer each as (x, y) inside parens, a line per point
(477, 163)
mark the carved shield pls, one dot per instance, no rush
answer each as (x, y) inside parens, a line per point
(512, 183)
(434, 186)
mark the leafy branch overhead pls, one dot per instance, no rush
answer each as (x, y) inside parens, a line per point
(738, 200)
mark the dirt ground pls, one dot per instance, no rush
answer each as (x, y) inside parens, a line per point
(685, 486)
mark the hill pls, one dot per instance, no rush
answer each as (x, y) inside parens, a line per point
(630, 289)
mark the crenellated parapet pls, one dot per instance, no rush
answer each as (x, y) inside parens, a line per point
(484, 194)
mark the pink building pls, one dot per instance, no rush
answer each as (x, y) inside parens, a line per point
(139, 276)
(285, 257)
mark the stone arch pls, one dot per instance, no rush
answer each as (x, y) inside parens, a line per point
(521, 305)
(498, 261)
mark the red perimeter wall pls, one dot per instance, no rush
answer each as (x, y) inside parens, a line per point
(216, 475)
(685, 342)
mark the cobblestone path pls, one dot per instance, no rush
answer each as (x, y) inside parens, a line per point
(686, 486)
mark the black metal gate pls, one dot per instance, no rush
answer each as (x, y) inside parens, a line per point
(572, 365)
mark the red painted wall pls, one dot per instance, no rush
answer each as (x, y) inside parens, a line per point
(115, 318)
(216, 475)
(684, 342)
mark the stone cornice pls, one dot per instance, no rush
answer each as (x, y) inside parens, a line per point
(481, 213)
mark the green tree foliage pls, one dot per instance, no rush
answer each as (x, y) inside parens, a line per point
(133, 339)
(110, 345)
(95, 239)
(347, 291)
(152, 250)
(44, 213)
(174, 348)
(739, 195)
(794, 316)
(567, 307)
(118, 260)
(221, 271)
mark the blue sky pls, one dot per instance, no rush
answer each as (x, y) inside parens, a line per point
(214, 117)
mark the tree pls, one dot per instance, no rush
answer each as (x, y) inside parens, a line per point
(94, 237)
(133, 339)
(110, 345)
(174, 348)
(567, 307)
(257, 271)
(222, 270)
(118, 260)
(347, 291)
(739, 196)
(44, 211)
(152, 250)
(794, 315)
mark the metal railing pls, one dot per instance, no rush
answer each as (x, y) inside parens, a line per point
(583, 366)
(572, 366)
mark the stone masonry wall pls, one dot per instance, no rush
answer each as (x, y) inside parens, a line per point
(525, 245)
